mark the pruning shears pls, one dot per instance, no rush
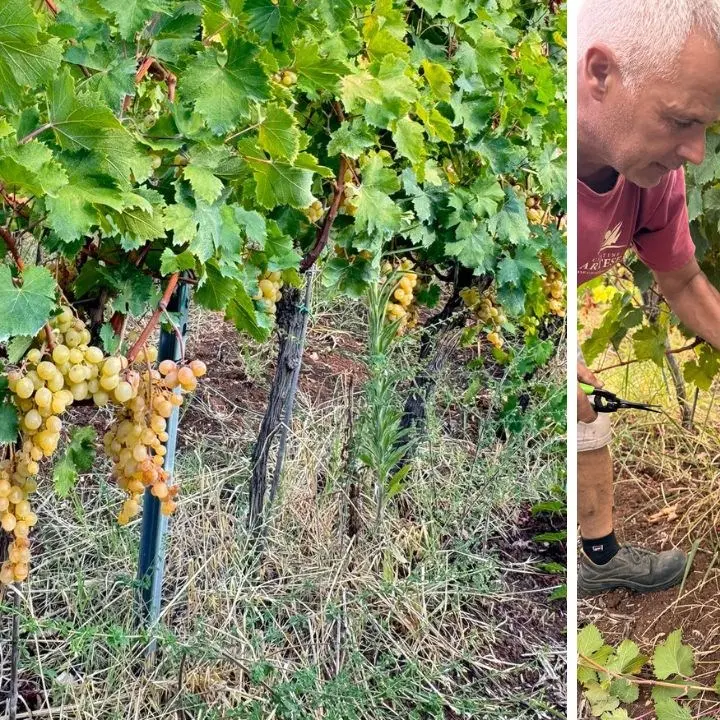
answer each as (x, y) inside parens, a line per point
(606, 402)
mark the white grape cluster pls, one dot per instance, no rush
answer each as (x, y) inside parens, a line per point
(288, 78)
(47, 383)
(315, 211)
(554, 288)
(42, 390)
(402, 306)
(351, 194)
(136, 441)
(270, 291)
(488, 313)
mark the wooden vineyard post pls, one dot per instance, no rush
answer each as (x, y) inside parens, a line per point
(151, 565)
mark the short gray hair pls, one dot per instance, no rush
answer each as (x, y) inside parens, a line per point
(646, 35)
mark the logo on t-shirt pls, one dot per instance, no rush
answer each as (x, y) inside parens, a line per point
(612, 238)
(609, 253)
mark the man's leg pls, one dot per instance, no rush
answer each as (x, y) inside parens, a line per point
(595, 492)
(605, 564)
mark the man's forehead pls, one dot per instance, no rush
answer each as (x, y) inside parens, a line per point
(692, 107)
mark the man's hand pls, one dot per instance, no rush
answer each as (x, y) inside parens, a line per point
(586, 412)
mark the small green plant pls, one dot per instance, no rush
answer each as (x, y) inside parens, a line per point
(611, 676)
(380, 444)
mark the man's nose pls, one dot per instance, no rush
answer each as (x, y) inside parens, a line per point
(693, 150)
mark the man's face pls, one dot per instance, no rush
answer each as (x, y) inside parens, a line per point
(661, 125)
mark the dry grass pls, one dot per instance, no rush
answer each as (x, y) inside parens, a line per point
(424, 618)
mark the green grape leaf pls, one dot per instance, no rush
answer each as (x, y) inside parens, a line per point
(26, 57)
(278, 135)
(649, 344)
(600, 699)
(82, 122)
(625, 690)
(359, 88)
(475, 248)
(203, 182)
(377, 214)
(672, 657)
(138, 226)
(223, 88)
(24, 309)
(702, 371)
(315, 72)
(241, 311)
(438, 78)
(280, 183)
(215, 291)
(669, 710)
(110, 341)
(436, 124)
(171, 263)
(267, 18)
(30, 169)
(181, 221)
(619, 319)
(409, 140)
(78, 457)
(510, 223)
(551, 168)
(351, 139)
(254, 225)
(17, 347)
(8, 423)
(524, 265)
(133, 14)
(349, 278)
(589, 640)
(114, 75)
(616, 714)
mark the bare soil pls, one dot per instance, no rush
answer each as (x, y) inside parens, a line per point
(649, 511)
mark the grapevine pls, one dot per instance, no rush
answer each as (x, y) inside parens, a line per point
(234, 148)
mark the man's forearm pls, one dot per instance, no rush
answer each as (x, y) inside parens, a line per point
(697, 304)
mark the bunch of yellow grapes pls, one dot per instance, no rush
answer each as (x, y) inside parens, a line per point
(488, 314)
(554, 288)
(314, 212)
(285, 77)
(270, 291)
(402, 305)
(46, 385)
(136, 441)
(350, 194)
(535, 214)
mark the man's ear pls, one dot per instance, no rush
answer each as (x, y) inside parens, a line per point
(600, 70)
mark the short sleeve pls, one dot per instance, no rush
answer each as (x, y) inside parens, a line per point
(662, 238)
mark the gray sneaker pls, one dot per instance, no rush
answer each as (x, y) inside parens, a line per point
(635, 568)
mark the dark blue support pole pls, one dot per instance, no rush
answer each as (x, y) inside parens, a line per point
(151, 566)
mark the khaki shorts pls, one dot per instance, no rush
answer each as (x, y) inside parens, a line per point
(594, 435)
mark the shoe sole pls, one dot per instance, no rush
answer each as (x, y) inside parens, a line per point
(592, 589)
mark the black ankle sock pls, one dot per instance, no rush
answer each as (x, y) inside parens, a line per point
(601, 550)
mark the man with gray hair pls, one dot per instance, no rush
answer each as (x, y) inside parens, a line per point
(648, 88)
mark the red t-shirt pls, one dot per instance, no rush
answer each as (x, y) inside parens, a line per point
(654, 222)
